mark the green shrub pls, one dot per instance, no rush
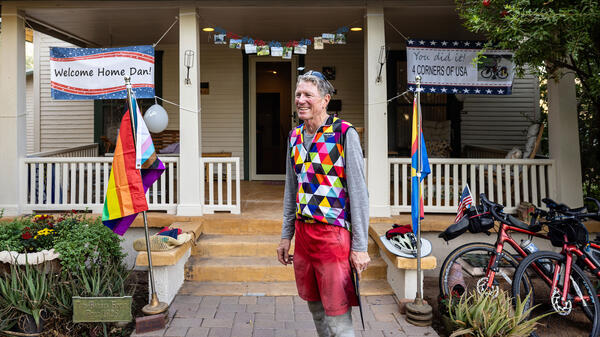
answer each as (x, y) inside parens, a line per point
(83, 241)
(485, 315)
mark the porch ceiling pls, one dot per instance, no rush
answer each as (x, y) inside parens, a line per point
(439, 21)
(126, 25)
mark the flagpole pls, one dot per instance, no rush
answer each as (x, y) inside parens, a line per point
(419, 298)
(155, 306)
(418, 312)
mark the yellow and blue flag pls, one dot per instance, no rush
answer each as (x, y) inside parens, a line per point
(416, 204)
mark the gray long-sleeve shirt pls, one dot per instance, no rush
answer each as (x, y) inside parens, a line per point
(358, 197)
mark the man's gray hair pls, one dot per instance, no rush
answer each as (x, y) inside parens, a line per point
(318, 80)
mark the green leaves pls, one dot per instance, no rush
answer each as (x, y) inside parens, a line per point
(84, 242)
(26, 290)
(558, 34)
(483, 315)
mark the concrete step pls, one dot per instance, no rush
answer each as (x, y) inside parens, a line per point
(248, 245)
(257, 269)
(288, 288)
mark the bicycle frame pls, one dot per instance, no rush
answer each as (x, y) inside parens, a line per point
(589, 261)
(502, 238)
(568, 251)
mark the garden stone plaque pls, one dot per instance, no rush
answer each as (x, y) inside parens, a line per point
(102, 309)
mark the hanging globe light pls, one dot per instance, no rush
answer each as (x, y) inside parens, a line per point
(156, 118)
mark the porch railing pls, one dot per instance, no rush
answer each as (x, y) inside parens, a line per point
(505, 181)
(221, 174)
(89, 150)
(61, 183)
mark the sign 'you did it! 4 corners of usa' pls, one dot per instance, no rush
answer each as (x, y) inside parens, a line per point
(98, 73)
(448, 67)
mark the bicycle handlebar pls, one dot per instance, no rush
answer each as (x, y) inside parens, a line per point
(492, 206)
(567, 212)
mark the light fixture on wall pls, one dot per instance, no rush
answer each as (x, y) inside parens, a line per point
(381, 61)
(356, 29)
(208, 29)
(188, 62)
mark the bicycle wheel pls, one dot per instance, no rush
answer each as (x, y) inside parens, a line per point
(473, 259)
(503, 72)
(486, 73)
(578, 314)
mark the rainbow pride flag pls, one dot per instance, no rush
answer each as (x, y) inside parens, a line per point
(416, 203)
(133, 171)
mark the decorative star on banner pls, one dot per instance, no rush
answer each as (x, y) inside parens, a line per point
(446, 67)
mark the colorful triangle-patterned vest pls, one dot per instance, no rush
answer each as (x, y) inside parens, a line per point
(322, 193)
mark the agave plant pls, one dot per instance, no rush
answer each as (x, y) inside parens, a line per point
(26, 290)
(486, 315)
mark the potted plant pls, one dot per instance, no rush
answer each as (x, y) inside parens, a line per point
(29, 240)
(487, 315)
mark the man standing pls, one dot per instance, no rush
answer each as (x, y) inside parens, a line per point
(326, 206)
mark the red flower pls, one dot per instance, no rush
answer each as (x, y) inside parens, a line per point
(486, 3)
(27, 228)
(26, 236)
(50, 225)
(504, 13)
(73, 211)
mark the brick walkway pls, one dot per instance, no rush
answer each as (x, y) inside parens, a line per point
(266, 316)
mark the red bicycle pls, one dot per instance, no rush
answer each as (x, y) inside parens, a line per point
(484, 266)
(564, 287)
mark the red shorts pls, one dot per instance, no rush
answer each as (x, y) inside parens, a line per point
(322, 266)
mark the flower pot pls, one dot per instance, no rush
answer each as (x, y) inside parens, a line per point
(46, 260)
(27, 325)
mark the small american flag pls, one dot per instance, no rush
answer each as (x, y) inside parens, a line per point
(466, 201)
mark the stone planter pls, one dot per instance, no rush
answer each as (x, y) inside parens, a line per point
(46, 259)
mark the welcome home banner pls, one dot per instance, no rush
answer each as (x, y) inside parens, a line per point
(98, 73)
(447, 67)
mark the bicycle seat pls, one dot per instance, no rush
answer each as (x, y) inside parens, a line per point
(455, 230)
(520, 224)
(562, 208)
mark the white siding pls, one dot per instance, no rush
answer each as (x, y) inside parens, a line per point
(223, 108)
(501, 121)
(348, 63)
(29, 113)
(63, 124)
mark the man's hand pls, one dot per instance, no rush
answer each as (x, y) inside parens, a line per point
(283, 252)
(360, 261)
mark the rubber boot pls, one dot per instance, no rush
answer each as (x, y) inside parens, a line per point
(318, 313)
(341, 325)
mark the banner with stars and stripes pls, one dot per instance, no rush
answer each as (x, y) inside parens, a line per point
(448, 67)
(98, 73)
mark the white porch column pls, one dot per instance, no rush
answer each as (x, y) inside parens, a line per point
(378, 170)
(563, 134)
(12, 111)
(191, 197)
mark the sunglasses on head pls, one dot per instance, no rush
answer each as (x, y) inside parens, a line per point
(316, 74)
